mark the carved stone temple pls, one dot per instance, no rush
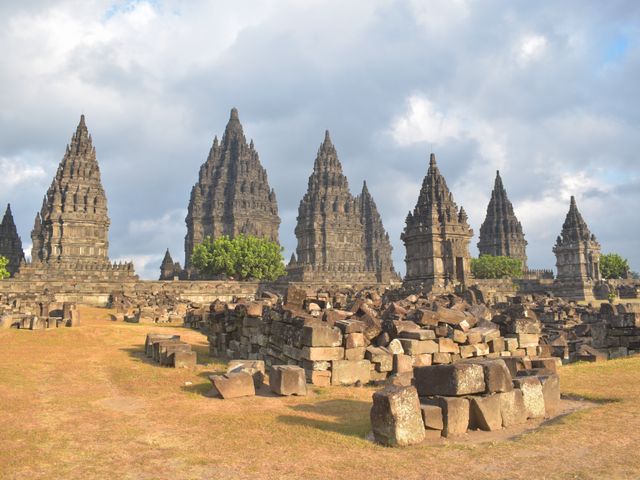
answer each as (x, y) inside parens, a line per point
(71, 231)
(577, 258)
(340, 237)
(437, 236)
(10, 243)
(501, 233)
(232, 195)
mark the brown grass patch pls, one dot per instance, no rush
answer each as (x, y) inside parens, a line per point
(84, 403)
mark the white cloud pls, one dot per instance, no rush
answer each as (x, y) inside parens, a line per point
(530, 48)
(16, 171)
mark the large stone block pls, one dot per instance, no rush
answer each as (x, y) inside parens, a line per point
(455, 379)
(345, 372)
(354, 353)
(416, 347)
(355, 340)
(321, 336)
(233, 385)
(497, 377)
(183, 359)
(168, 349)
(432, 417)
(421, 334)
(255, 368)
(323, 353)
(551, 393)
(455, 414)
(287, 380)
(151, 337)
(485, 413)
(512, 408)
(381, 357)
(532, 394)
(396, 418)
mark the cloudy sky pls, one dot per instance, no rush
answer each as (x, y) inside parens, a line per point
(546, 92)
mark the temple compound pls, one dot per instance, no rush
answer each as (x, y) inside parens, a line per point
(340, 237)
(71, 232)
(501, 233)
(10, 242)
(577, 258)
(232, 195)
(437, 236)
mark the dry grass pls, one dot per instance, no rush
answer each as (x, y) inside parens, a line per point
(84, 403)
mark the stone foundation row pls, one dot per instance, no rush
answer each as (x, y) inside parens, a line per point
(169, 351)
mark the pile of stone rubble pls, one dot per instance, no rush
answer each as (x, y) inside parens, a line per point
(38, 314)
(474, 394)
(344, 340)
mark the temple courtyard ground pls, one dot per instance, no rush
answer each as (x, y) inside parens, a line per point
(84, 403)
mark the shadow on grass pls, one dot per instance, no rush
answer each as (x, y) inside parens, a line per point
(590, 398)
(346, 417)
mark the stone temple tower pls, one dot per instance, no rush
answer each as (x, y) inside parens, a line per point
(73, 224)
(501, 233)
(340, 238)
(577, 258)
(437, 236)
(232, 195)
(10, 242)
(71, 232)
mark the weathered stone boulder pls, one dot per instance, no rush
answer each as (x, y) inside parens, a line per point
(233, 385)
(497, 377)
(287, 380)
(396, 418)
(451, 380)
(321, 336)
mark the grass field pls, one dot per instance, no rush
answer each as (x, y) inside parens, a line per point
(83, 403)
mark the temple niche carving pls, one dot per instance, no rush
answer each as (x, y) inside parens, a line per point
(437, 236)
(340, 237)
(577, 257)
(70, 236)
(10, 242)
(232, 195)
(501, 233)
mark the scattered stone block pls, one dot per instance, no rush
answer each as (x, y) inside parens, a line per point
(323, 353)
(416, 347)
(287, 380)
(255, 368)
(183, 359)
(354, 353)
(396, 418)
(355, 340)
(402, 364)
(497, 377)
(233, 385)
(440, 358)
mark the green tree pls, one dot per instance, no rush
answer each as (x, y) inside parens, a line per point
(4, 273)
(243, 257)
(488, 266)
(613, 265)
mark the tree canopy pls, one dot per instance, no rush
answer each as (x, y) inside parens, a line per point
(4, 273)
(489, 266)
(613, 266)
(243, 257)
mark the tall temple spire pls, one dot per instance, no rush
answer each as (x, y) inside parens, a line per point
(10, 242)
(232, 195)
(501, 232)
(338, 235)
(437, 236)
(73, 225)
